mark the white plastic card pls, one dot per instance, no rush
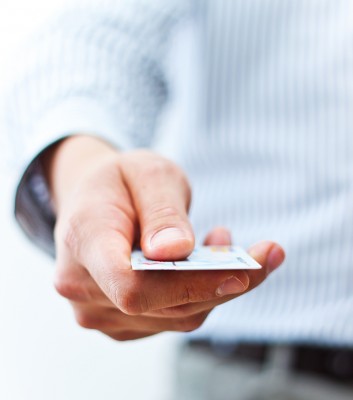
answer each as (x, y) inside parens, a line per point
(202, 258)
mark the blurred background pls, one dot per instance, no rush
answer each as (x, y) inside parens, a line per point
(44, 355)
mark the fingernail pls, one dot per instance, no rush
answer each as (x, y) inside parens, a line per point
(275, 258)
(232, 285)
(165, 236)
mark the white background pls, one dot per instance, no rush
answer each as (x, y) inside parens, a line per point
(44, 355)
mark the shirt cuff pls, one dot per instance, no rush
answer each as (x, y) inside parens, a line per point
(33, 206)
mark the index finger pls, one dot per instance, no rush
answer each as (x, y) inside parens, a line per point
(269, 254)
(106, 255)
(137, 292)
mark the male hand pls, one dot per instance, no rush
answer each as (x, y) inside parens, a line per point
(105, 202)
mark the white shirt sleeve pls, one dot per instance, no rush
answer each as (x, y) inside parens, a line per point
(96, 69)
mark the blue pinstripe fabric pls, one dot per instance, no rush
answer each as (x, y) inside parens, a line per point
(260, 117)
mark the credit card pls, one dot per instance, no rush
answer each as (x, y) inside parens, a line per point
(202, 258)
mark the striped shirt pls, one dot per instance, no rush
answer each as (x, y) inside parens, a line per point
(252, 98)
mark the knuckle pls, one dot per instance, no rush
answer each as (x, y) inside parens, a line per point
(175, 311)
(191, 323)
(160, 217)
(122, 336)
(131, 299)
(130, 303)
(189, 295)
(69, 288)
(162, 167)
(86, 321)
(159, 166)
(161, 212)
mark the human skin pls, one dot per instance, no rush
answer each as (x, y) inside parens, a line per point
(106, 201)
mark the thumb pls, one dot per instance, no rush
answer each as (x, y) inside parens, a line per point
(161, 196)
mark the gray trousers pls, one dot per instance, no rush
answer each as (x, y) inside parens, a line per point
(203, 375)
